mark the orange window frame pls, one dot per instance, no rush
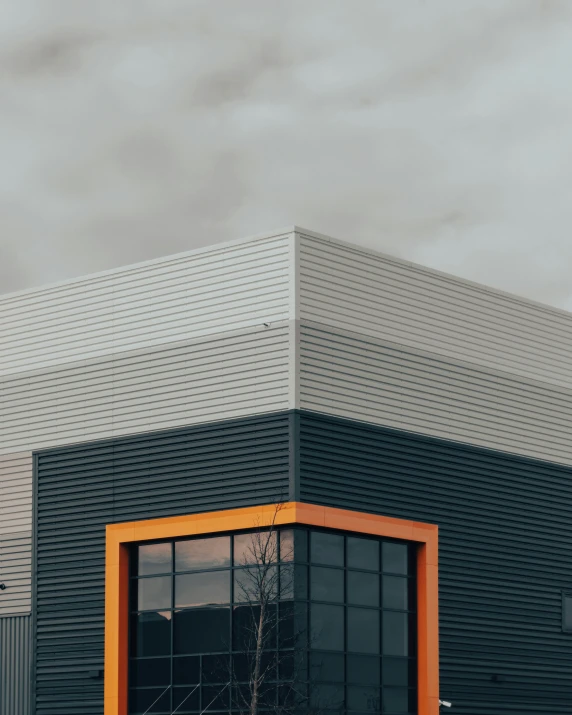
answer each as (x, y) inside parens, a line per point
(119, 536)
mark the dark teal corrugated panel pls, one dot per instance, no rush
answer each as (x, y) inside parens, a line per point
(15, 665)
(84, 487)
(505, 528)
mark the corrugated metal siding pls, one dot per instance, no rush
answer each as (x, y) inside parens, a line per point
(15, 665)
(15, 489)
(363, 378)
(15, 573)
(505, 529)
(362, 291)
(182, 297)
(219, 377)
(82, 488)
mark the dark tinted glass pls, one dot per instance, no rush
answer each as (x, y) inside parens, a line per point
(395, 700)
(363, 699)
(395, 633)
(150, 671)
(200, 554)
(327, 667)
(154, 593)
(202, 630)
(151, 634)
(186, 669)
(363, 669)
(245, 624)
(215, 698)
(149, 700)
(363, 554)
(257, 548)
(363, 588)
(326, 697)
(252, 582)
(327, 549)
(202, 589)
(327, 627)
(215, 668)
(363, 630)
(398, 671)
(287, 572)
(394, 558)
(395, 592)
(187, 699)
(326, 584)
(153, 558)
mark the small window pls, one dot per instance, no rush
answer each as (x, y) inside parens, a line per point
(567, 611)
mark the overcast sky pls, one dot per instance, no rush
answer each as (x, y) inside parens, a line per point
(436, 130)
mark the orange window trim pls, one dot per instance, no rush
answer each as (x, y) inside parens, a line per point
(119, 536)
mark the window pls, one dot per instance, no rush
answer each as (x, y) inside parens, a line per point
(567, 611)
(341, 623)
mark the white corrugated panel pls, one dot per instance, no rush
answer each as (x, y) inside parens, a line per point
(196, 294)
(365, 292)
(363, 378)
(15, 570)
(173, 385)
(15, 491)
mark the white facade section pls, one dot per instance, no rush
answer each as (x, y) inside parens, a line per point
(360, 291)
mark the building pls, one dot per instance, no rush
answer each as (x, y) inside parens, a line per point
(156, 412)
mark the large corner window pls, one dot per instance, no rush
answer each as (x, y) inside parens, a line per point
(325, 619)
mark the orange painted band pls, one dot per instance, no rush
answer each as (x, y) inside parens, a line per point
(118, 536)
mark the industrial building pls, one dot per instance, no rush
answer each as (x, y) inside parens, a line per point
(414, 427)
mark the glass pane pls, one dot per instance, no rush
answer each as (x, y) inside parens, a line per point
(186, 669)
(363, 699)
(198, 554)
(150, 671)
(186, 700)
(245, 625)
(202, 630)
(149, 700)
(151, 633)
(287, 574)
(255, 583)
(363, 669)
(394, 558)
(287, 545)
(363, 630)
(154, 594)
(395, 589)
(363, 554)
(202, 589)
(328, 667)
(395, 638)
(215, 698)
(326, 584)
(259, 547)
(395, 700)
(327, 697)
(216, 669)
(153, 558)
(327, 627)
(398, 672)
(327, 549)
(363, 588)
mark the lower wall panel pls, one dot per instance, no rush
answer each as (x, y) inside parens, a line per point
(15, 573)
(82, 488)
(15, 665)
(505, 552)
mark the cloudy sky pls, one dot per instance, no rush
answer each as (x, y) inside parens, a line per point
(436, 130)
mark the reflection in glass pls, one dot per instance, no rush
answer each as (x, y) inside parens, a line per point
(395, 700)
(202, 630)
(153, 558)
(363, 699)
(395, 589)
(363, 630)
(363, 588)
(287, 545)
(327, 549)
(257, 548)
(150, 671)
(154, 594)
(328, 667)
(394, 558)
(398, 671)
(151, 633)
(363, 669)
(395, 637)
(252, 582)
(245, 622)
(215, 698)
(215, 668)
(327, 626)
(202, 589)
(327, 697)
(363, 553)
(326, 584)
(198, 554)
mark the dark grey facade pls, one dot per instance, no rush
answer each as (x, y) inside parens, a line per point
(505, 540)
